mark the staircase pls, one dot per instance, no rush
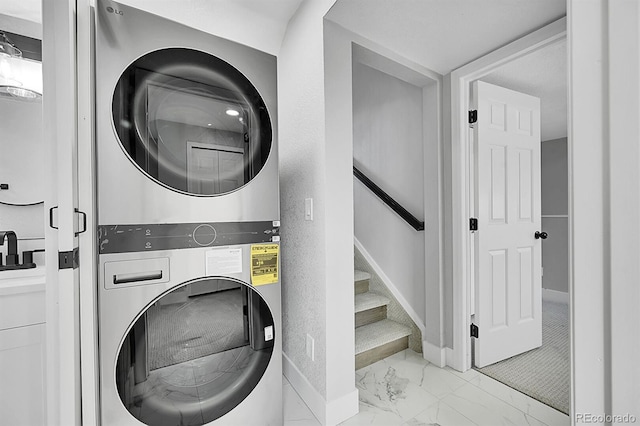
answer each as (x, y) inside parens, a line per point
(377, 337)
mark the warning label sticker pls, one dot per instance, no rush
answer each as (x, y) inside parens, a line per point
(223, 261)
(264, 264)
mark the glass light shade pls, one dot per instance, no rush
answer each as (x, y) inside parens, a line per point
(22, 93)
(8, 49)
(20, 78)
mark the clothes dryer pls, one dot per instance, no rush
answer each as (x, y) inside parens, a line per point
(186, 123)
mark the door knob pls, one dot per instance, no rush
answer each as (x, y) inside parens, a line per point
(541, 235)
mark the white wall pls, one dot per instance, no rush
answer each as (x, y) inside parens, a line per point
(22, 164)
(228, 19)
(429, 163)
(317, 256)
(388, 148)
(624, 184)
(302, 163)
(341, 392)
(447, 227)
(22, 158)
(604, 65)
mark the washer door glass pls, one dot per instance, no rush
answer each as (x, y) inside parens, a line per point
(191, 121)
(195, 353)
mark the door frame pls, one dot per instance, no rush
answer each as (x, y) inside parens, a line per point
(61, 121)
(462, 208)
(214, 147)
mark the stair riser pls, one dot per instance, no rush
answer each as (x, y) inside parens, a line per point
(376, 354)
(361, 286)
(371, 315)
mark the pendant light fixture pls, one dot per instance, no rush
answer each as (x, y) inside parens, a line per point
(8, 49)
(19, 78)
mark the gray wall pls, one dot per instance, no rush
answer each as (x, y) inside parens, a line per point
(555, 221)
(387, 147)
(317, 255)
(22, 165)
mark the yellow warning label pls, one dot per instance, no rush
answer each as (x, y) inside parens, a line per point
(264, 263)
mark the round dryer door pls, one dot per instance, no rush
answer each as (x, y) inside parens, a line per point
(195, 353)
(191, 122)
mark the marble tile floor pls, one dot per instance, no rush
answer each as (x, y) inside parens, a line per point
(406, 390)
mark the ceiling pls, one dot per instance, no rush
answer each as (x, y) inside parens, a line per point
(29, 10)
(444, 35)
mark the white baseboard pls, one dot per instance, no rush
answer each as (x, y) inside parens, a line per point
(555, 296)
(328, 413)
(340, 409)
(434, 354)
(449, 355)
(392, 288)
(304, 388)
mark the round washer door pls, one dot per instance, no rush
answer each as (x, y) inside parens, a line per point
(191, 122)
(195, 353)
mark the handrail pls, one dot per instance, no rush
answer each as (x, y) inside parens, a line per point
(408, 217)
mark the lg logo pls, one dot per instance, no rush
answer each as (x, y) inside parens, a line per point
(116, 11)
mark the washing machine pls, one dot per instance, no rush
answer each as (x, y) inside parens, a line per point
(190, 336)
(189, 299)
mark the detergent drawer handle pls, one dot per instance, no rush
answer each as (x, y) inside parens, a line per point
(137, 276)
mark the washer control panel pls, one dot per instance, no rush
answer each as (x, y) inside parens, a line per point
(171, 236)
(204, 235)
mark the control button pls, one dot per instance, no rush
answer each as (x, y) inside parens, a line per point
(204, 234)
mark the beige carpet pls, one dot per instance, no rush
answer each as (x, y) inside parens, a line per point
(542, 373)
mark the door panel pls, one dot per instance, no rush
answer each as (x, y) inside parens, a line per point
(214, 168)
(231, 170)
(202, 170)
(508, 257)
(498, 185)
(498, 280)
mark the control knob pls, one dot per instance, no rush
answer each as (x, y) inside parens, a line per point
(204, 235)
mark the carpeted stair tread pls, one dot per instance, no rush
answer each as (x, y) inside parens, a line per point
(361, 275)
(369, 300)
(378, 333)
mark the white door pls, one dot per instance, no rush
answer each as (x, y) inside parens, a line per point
(214, 169)
(507, 254)
(231, 170)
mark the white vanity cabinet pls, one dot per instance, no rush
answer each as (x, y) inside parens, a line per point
(22, 347)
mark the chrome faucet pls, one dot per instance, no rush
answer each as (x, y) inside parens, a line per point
(12, 246)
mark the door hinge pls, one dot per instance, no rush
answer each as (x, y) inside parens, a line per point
(473, 116)
(473, 224)
(474, 330)
(68, 259)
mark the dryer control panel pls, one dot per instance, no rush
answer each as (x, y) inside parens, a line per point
(171, 236)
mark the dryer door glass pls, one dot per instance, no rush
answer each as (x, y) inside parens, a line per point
(191, 122)
(195, 353)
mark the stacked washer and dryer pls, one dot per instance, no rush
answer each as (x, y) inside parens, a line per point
(188, 225)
